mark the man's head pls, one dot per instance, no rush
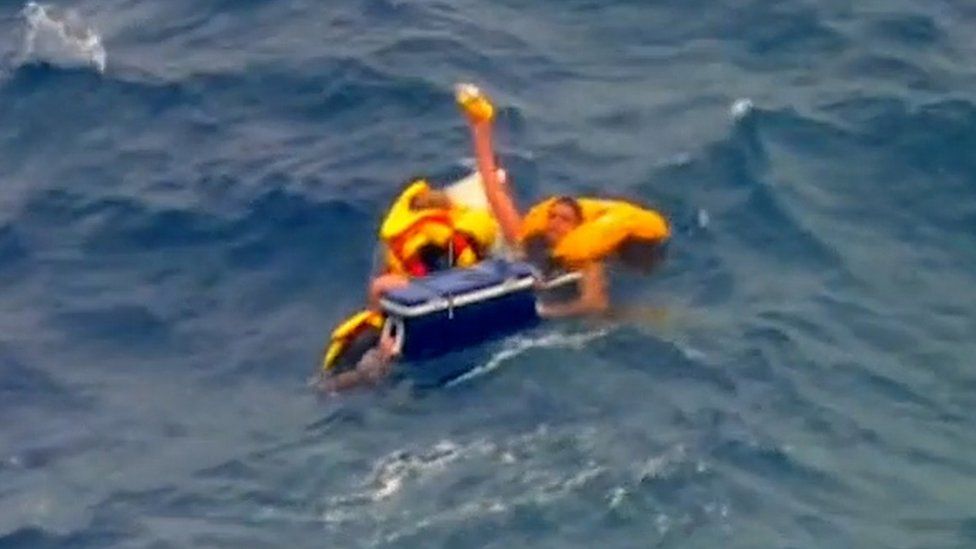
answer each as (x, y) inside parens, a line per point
(430, 199)
(565, 214)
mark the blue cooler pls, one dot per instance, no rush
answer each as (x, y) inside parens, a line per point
(458, 308)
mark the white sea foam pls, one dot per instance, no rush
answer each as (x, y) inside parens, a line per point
(60, 38)
(391, 472)
(519, 345)
(703, 218)
(387, 491)
(741, 108)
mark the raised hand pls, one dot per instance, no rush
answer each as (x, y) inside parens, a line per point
(475, 104)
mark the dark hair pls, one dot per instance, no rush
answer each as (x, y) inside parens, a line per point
(572, 204)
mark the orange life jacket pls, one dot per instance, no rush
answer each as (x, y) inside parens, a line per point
(606, 226)
(412, 236)
(346, 334)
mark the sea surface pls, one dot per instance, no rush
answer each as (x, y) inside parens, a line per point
(189, 196)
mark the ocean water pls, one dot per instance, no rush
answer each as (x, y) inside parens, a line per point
(190, 191)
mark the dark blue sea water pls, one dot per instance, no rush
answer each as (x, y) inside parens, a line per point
(190, 193)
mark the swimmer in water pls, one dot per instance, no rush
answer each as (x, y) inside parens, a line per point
(372, 367)
(424, 201)
(564, 215)
(571, 239)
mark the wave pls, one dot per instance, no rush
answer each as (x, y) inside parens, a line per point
(59, 37)
(496, 479)
(519, 345)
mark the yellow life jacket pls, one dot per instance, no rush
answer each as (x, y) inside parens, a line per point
(607, 224)
(346, 334)
(466, 234)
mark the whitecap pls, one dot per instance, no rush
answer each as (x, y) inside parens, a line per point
(392, 471)
(59, 38)
(617, 496)
(741, 108)
(660, 466)
(519, 345)
(703, 218)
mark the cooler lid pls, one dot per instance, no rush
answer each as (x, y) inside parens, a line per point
(458, 287)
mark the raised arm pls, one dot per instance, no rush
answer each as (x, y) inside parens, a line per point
(480, 113)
